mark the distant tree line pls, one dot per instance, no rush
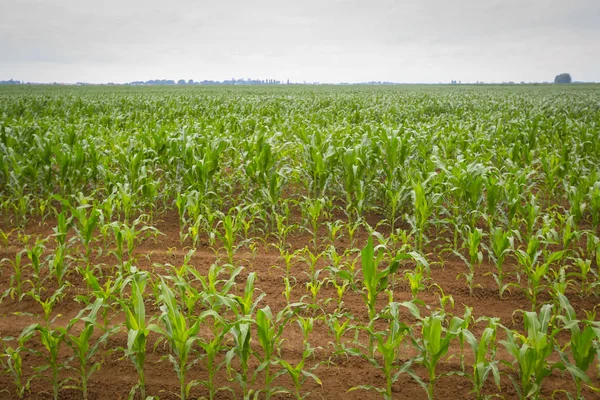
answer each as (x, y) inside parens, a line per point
(154, 82)
(232, 81)
(560, 78)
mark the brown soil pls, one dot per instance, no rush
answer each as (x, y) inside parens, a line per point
(337, 373)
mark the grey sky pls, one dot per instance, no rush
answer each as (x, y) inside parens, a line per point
(326, 41)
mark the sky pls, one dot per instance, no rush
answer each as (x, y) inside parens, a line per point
(425, 41)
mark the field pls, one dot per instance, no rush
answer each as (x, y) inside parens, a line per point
(300, 242)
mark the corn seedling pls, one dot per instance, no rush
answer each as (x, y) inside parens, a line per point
(13, 364)
(180, 335)
(51, 339)
(83, 345)
(35, 257)
(434, 343)
(241, 349)
(269, 331)
(137, 330)
(534, 269)
(16, 280)
(580, 347)
(388, 345)
(299, 374)
(531, 352)
(212, 348)
(485, 362)
(501, 244)
(339, 329)
(86, 224)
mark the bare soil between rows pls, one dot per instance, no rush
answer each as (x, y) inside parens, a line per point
(338, 374)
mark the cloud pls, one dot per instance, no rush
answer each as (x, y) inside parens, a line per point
(313, 40)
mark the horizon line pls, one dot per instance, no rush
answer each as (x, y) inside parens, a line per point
(270, 82)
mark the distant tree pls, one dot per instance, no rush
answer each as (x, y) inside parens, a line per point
(562, 78)
(181, 82)
(190, 82)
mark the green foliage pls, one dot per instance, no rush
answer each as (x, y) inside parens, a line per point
(138, 329)
(88, 175)
(531, 352)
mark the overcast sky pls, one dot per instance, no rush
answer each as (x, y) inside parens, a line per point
(300, 40)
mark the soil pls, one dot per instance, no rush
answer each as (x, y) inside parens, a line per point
(338, 374)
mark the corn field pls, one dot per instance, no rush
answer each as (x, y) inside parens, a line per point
(401, 242)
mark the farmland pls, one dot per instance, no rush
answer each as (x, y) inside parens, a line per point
(300, 242)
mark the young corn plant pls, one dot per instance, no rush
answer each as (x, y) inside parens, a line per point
(269, 331)
(306, 325)
(180, 336)
(578, 353)
(49, 303)
(243, 307)
(5, 235)
(415, 280)
(534, 269)
(375, 280)
(339, 328)
(51, 339)
(494, 195)
(388, 346)
(341, 285)
(35, 257)
(232, 226)
(532, 211)
(241, 333)
(127, 235)
(110, 293)
(137, 330)
(352, 228)
(531, 352)
(58, 264)
(354, 164)
(423, 210)
(560, 282)
(485, 362)
(283, 227)
(577, 200)
(583, 275)
(395, 197)
(85, 227)
(119, 240)
(434, 343)
(212, 348)
(61, 229)
(288, 286)
(319, 152)
(312, 260)
(189, 296)
(84, 347)
(216, 291)
(501, 244)
(314, 287)
(299, 374)
(571, 235)
(313, 210)
(13, 364)
(16, 279)
(334, 228)
(288, 256)
(475, 255)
